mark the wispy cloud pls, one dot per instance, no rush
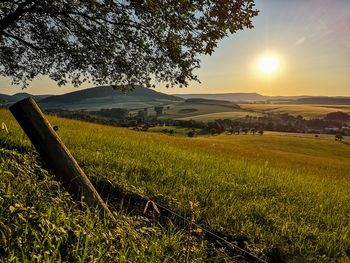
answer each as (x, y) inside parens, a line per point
(299, 42)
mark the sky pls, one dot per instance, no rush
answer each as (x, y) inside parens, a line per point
(308, 39)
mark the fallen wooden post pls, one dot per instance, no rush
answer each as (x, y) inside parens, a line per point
(53, 151)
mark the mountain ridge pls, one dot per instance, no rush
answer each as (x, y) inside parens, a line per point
(240, 96)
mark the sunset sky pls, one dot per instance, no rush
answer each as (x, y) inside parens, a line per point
(309, 42)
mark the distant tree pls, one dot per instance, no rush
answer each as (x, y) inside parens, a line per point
(140, 114)
(114, 41)
(270, 126)
(230, 131)
(159, 110)
(339, 137)
(261, 132)
(253, 131)
(144, 128)
(191, 134)
(117, 113)
(339, 116)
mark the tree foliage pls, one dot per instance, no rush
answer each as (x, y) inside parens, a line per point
(114, 41)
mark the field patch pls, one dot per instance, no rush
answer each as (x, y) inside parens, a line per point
(239, 114)
(305, 110)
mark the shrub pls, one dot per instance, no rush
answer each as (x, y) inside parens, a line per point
(190, 134)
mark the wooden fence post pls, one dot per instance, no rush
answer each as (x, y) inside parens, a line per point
(53, 151)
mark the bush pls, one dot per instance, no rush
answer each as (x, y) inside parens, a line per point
(339, 137)
(190, 134)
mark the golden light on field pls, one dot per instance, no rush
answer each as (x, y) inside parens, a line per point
(268, 64)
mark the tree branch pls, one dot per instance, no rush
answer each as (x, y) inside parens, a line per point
(14, 16)
(22, 41)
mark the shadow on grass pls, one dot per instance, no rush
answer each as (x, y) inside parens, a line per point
(134, 205)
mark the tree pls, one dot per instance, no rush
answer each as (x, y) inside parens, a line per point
(338, 116)
(118, 42)
(339, 137)
(213, 131)
(159, 110)
(191, 134)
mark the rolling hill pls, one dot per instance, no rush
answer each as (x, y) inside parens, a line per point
(4, 97)
(10, 99)
(106, 97)
(226, 96)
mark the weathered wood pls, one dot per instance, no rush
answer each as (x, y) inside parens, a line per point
(53, 151)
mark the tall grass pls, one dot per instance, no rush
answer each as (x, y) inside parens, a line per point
(280, 197)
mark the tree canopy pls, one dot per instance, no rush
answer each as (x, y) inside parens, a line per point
(114, 41)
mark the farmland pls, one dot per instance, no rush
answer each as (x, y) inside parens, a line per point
(305, 110)
(204, 110)
(237, 114)
(280, 197)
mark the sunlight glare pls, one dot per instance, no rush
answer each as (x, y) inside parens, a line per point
(268, 64)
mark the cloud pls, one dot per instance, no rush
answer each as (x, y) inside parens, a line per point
(299, 42)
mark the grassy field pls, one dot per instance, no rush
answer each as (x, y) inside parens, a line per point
(279, 197)
(202, 112)
(307, 111)
(237, 114)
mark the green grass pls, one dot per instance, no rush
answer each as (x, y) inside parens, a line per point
(39, 222)
(280, 197)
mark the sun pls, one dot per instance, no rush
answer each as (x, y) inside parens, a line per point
(268, 64)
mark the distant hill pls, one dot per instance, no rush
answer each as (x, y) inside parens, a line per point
(10, 99)
(4, 98)
(325, 100)
(106, 97)
(235, 97)
(223, 103)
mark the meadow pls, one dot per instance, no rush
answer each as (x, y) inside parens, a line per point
(280, 197)
(204, 111)
(236, 114)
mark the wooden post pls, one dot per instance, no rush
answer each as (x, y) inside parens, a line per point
(54, 152)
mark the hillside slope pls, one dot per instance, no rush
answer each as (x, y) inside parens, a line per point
(10, 99)
(199, 109)
(106, 97)
(276, 196)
